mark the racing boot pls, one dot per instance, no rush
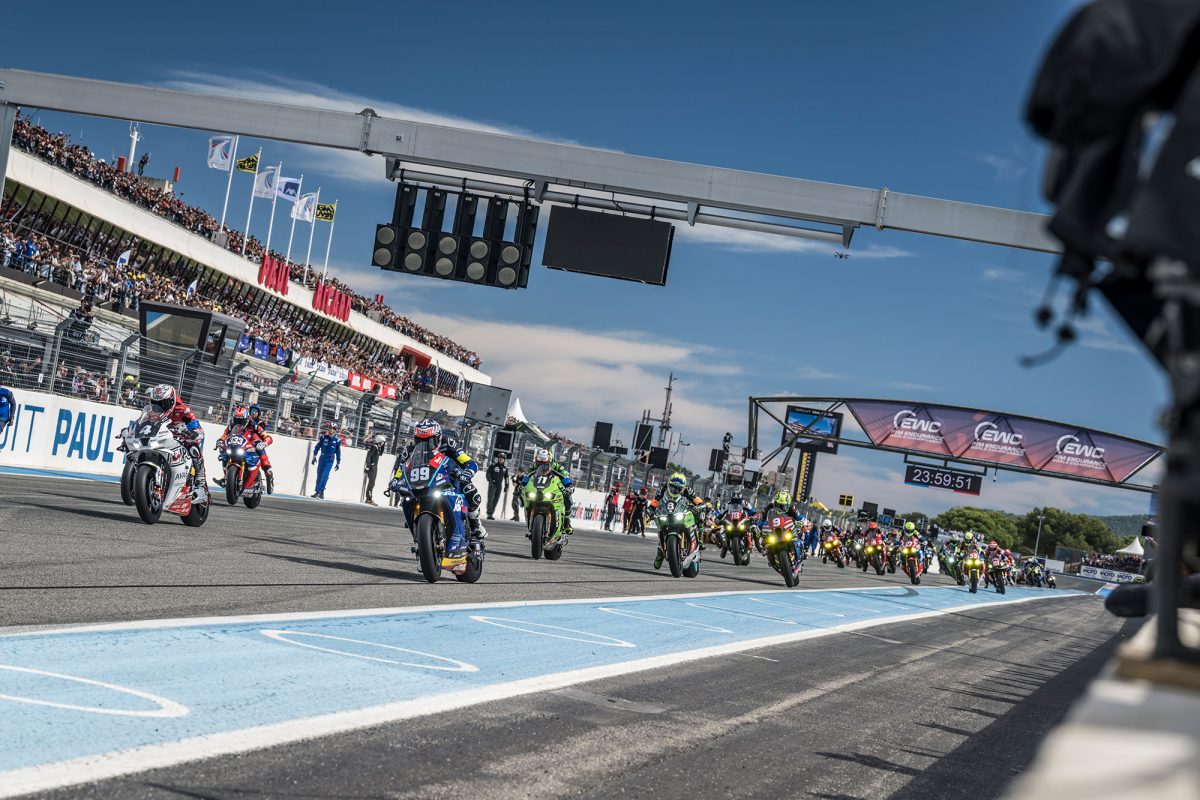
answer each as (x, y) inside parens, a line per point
(476, 526)
(658, 559)
(270, 474)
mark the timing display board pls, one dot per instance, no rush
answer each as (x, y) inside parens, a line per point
(942, 478)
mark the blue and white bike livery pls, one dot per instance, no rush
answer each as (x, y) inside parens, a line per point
(436, 512)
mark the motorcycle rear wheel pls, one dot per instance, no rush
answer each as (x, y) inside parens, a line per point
(127, 482)
(149, 503)
(537, 535)
(431, 564)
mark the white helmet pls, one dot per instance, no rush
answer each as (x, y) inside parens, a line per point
(827, 524)
(542, 456)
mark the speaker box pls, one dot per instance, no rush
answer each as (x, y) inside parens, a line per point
(602, 436)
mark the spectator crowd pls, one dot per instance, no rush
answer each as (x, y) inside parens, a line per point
(1118, 563)
(81, 162)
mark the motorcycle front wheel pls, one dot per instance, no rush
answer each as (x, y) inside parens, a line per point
(127, 482)
(673, 557)
(974, 584)
(474, 570)
(537, 535)
(431, 563)
(233, 484)
(146, 495)
(786, 561)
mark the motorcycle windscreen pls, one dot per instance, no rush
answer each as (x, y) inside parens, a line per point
(423, 465)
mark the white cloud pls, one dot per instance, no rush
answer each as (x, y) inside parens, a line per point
(911, 387)
(756, 242)
(1003, 274)
(1099, 333)
(1010, 168)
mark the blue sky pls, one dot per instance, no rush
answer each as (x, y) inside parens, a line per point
(922, 98)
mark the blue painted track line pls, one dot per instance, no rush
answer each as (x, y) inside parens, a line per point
(89, 693)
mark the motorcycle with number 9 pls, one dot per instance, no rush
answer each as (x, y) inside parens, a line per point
(780, 543)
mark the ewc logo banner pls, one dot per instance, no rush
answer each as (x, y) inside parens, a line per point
(991, 438)
(62, 433)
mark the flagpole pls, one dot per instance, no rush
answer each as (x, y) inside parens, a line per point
(246, 233)
(274, 197)
(229, 181)
(329, 242)
(312, 226)
(299, 197)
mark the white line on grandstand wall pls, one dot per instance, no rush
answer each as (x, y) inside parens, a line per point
(124, 762)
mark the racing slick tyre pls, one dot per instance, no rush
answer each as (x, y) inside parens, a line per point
(999, 586)
(431, 564)
(553, 553)
(537, 536)
(127, 482)
(252, 500)
(787, 565)
(146, 494)
(198, 515)
(736, 543)
(974, 584)
(961, 580)
(673, 557)
(233, 484)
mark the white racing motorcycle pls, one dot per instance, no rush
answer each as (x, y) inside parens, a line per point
(158, 473)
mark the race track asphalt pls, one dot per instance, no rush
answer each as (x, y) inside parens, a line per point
(940, 707)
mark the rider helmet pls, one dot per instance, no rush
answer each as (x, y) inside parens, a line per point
(1007, 553)
(428, 430)
(542, 456)
(872, 526)
(909, 527)
(782, 499)
(255, 411)
(379, 437)
(163, 397)
(241, 416)
(992, 545)
(827, 525)
(676, 483)
(969, 537)
(736, 499)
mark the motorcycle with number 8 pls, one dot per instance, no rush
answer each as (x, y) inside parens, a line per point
(677, 536)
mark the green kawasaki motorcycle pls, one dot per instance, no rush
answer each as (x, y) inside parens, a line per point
(677, 536)
(544, 514)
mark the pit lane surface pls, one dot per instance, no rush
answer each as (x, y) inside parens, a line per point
(866, 713)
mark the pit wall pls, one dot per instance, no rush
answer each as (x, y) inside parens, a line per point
(67, 435)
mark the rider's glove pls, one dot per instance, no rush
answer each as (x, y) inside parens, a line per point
(337, 466)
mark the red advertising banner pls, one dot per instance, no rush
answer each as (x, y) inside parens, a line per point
(988, 437)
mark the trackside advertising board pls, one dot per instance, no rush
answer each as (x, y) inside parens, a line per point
(1003, 439)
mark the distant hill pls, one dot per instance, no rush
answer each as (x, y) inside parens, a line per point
(1125, 526)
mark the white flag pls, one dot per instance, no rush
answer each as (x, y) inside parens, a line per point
(123, 259)
(220, 153)
(305, 207)
(191, 290)
(288, 188)
(264, 182)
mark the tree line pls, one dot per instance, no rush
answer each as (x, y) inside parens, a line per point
(1019, 533)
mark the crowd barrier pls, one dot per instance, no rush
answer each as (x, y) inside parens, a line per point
(1111, 575)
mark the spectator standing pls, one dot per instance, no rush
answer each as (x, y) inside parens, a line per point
(627, 511)
(371, 466)
(497, 477)
(518, 482)
(637, 521)
(142, 162)
(610, 506)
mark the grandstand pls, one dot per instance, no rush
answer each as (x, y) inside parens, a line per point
(82, 246)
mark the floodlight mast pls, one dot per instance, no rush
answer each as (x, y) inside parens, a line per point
(695, 187)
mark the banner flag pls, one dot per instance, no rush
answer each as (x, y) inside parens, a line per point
(990, 438)
(265, 181)
(305, 207)
(123, 259)
(220, 153)
(248, 164)
(288, 189)
(326, 211)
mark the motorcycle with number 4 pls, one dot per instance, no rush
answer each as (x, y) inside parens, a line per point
(544, 514)
(158, 474)
(737, 537)
(677, 536)
(436, 512)
(780, 543)
(243, 478)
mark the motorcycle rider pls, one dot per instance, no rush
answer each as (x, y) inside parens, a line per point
(329, 451)
(543, 457)
(187, 428)
(241, 424)
(428, 430)
(736, 505)
(8, 407)
(781, 505)
(264, 461)
(675, 489)
(991, 551)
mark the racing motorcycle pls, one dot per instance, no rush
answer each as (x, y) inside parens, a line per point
(893, 556)
(832, 548)
(436, 512)
(952, 566)
(874, 552)
(243, 478)
(997, 573)
(858, 552)
(158, 474)
(544, 514)
(972, 567)
(737, 538)
(911, 561)
(780, 543)
(677, 536)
